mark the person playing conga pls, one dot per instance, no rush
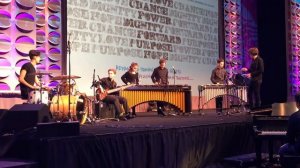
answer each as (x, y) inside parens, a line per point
(28, 79)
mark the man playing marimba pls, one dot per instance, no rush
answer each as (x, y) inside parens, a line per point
(218, 76)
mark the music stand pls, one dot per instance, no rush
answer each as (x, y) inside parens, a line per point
(240, 81)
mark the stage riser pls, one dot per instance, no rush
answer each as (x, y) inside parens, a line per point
(176, 148)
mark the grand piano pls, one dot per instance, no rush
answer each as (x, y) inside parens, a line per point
(270, 129)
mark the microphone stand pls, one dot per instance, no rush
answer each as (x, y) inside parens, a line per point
(174, 73)
(92, 116)
(69, 52)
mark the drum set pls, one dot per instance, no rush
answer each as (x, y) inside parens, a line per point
(65, 101)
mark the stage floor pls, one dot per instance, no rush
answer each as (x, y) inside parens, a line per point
(184, 141)
(147, 121)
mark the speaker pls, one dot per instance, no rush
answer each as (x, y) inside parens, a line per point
(58, 129)
(24, 116)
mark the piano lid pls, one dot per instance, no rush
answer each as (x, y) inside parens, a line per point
(284, 109)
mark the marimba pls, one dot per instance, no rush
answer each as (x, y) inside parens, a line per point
(208, 92)
(177, 95)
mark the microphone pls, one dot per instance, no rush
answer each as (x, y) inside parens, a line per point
(98, 78)
(174, 69)
(69, 38)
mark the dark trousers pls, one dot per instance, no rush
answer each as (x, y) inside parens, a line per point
(160, 106)
(288, 150)
(254, 93)
(219, 103)
(117, 101)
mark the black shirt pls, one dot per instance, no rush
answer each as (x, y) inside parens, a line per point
(256, 69)
(107, 83)
(131, 78)
(160, 76)
(218, 75)
(293, 131)
(29, 78)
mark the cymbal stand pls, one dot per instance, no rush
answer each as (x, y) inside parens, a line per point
(69, 79)
(227, 87)
(40, 89)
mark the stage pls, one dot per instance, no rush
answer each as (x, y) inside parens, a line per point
(146, 141)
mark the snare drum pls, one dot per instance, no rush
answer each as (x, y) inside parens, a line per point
(65, 89)
(35, 97)
(79, 107)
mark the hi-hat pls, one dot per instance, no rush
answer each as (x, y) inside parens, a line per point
(65, 77)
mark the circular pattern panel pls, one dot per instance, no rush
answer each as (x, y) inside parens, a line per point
(25, 22)
(40, 36)
(40, 4)
(24, 44)
(4, 86)
(25, 4)
(54, 38)
(54, 6)
(5, 43)
(4, 2)
(54, 21)
(5, 18)
(54, 54)
(40, 20)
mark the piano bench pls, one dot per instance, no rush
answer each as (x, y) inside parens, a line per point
(293, 161)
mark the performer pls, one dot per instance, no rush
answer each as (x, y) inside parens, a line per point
(255, 74)
(28, 77)
(292, 147)
(113, 98)
(218, 76)
(160, 77)
(132, 75)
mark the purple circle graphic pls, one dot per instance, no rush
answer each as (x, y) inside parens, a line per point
(40, 20)
(40, 4)
(25, 4)
(25, 22)
(4, 62)
(53, 83)
(4, 86)
(54, 21)
(5, 72)
(40, 36)
(54, 54)
(54, 67)
(54, 38)
(4, 2)
(5, 18)
(21, 62)
(24, 44)
(5, 43)
(54, 6)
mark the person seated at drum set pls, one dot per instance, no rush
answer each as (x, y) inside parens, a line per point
(28, 78)
(109, 83)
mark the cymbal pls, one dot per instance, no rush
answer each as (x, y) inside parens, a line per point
(65, 77)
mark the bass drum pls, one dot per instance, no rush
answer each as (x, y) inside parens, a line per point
(79, 108)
